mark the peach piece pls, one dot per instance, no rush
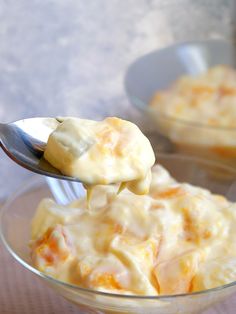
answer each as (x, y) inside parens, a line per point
(51, 249)
(170, 192)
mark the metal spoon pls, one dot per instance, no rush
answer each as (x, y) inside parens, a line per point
(24, 142)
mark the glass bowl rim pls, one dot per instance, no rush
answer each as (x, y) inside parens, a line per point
(145, 107)
(34, 181)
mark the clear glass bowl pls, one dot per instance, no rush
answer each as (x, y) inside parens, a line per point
(18, 211)
(157, 71)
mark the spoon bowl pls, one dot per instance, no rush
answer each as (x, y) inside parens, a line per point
(24, 141)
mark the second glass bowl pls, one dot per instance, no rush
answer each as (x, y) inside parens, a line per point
(157, 71)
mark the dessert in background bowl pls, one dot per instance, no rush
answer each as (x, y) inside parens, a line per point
(189, 91)
(18, 212)
(203, 113)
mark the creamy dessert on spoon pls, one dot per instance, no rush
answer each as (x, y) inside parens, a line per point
(92, 152)
(102, 152)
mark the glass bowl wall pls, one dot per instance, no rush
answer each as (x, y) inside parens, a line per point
(18, 211)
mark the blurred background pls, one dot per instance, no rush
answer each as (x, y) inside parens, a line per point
(69, 57)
